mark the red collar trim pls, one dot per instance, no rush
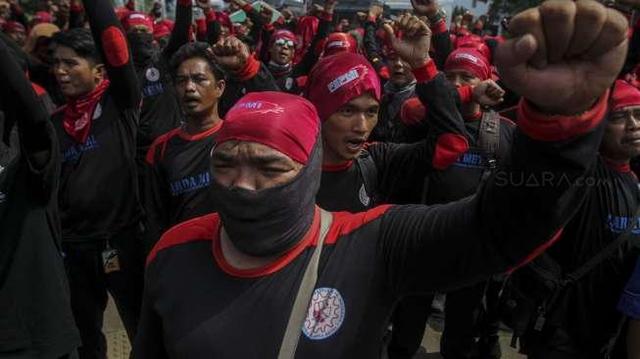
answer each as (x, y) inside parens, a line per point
(618, 167)
(337, 168)
(198, 136)
(475, 117)
(310, 239)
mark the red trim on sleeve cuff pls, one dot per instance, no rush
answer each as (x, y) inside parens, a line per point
(269, 27)
(543, 127)
(211, 16)
(115, 46)
(185, 3)
(427, 72)
(247, 8)
(449, 147)
(249, 70)
(466, 94)
(439, 27)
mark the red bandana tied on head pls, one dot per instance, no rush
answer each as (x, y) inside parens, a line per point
(623, 95)
(339, 42)
(137, 19)
(284, 34)
(470, 60)
(284, 122)
(79, 113)
(338, 79)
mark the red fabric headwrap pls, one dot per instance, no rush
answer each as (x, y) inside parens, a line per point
(42, 17)
(624, 95)
(13, 26)
(160, 31)
(135, 19)
(284, 122)
(469, 60)
(79, 113)
(338, 79)
(284, 34)
(339, 42)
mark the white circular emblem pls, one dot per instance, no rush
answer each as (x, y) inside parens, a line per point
(152, 74)
(97, 112)
(364, 196)
(325, 314)
(288, 84)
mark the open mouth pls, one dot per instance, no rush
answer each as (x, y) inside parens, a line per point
(355, 144)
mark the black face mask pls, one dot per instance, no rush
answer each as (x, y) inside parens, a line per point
(142, 48)
(271, 221)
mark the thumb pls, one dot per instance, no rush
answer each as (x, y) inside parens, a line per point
(391, 35)
(516, 52)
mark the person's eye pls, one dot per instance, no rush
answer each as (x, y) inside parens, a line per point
(346, 111)
(372, 112)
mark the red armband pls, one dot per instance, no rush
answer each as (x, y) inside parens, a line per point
(439, 27)
(544, 127)
(249, 70)
(211, 16)
(466, 94)
(449, 148)
(115, 46)
(427, 72)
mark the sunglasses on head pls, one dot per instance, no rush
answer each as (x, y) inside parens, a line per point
(282, 42)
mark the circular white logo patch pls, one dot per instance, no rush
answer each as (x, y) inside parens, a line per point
(288, 84)
(152, 74)
(97, 112)
(325, 314)
(364, 196)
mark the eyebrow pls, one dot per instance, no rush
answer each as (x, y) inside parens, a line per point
(261, 160)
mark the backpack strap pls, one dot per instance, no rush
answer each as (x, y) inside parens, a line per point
(305, 291)
(369, 172)
(489, 137)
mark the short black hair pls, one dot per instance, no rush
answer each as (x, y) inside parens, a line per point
(196, 50)
(80, 41)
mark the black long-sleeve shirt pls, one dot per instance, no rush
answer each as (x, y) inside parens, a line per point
(586, 309)
(197, 305)
(399, 169)
(35, 313)
(98, 194)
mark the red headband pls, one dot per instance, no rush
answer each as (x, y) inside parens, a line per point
(624, 95)
(284, 122)
(339, 42)
(42, 16)
(137, 19)
(338, 79)
(284, 34)
(13, 26)
(470, 60)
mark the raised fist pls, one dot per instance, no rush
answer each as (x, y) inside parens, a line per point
(375, 11)
(231, 54)
(564, 54)
(416, 39)
(488, 93)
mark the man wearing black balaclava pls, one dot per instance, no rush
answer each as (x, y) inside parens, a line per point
(223, 285)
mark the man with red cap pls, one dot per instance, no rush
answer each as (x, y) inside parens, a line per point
(490, 138)
(560, 312)
(272, 275)
(15, 31)
(338, 42)
(282, 45)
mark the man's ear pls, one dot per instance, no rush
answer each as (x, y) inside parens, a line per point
(98, 73)
(220, 86)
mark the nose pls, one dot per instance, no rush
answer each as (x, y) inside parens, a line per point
(244, 179)
(360, 123)
(190, 86)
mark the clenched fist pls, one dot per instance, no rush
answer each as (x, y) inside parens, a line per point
(564, 54)
(488, 93)
(232, 54)
(416, 39)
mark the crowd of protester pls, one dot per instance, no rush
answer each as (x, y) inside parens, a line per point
(308, 185)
